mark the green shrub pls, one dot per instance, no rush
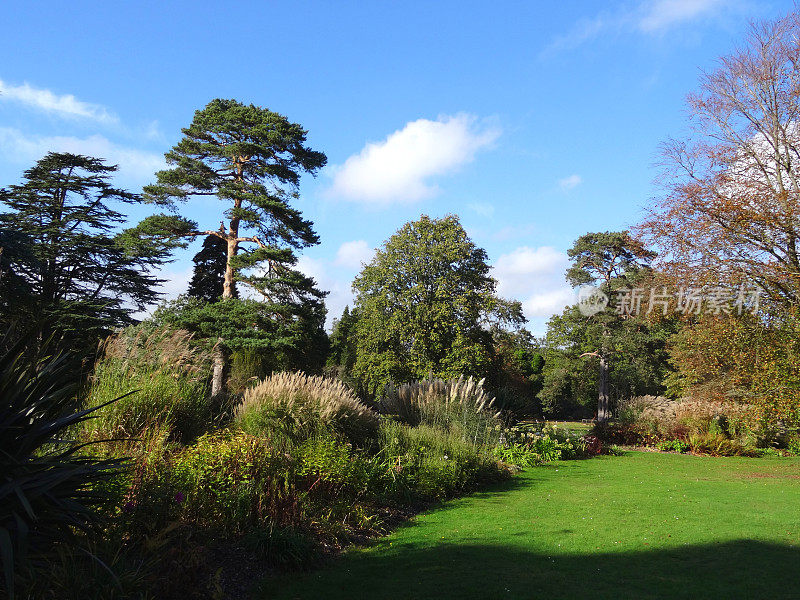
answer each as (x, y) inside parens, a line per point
(793, 444)
(769, 452)
(674, 446)
(533, 444)
(170, 374)
(458, 405)
(522, 456)
(630, 409)
(247, 368)
(232, 481)
(299, 406)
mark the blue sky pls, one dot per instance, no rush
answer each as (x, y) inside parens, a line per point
(535, 122)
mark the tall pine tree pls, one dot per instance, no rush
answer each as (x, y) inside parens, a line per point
(251, 159)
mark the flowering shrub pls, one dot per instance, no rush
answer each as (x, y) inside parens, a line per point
(529, 445)
(593, 445)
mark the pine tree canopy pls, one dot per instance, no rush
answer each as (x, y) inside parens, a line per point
(251, 159)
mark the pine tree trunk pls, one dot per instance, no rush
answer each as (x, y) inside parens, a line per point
(603, 413)
(228, 291)
(229, 286)
(218, 373)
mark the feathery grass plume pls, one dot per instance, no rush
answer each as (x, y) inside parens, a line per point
(460, 405)
(171, 372)
(145, 345)
(298, 406)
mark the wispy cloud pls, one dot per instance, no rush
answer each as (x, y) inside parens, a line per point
(484, 209)
(65, 106)
(658, 15)
(399, 168)
(136, 166)
(511, 232)
(645, 17)
(569, 183)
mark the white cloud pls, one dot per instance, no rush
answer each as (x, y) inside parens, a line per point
(152, 131)
(353, 254)
(534, 276)
(546, 304)
(569, 183)
(519, 272)
(583, 31)
(135, 166)
(399, 167)
(661, 14)
(66, 105)
(340, 293)
(175, 282)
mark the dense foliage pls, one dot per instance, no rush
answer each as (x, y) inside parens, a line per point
(419, 393)
(251, 159)
(611, 263)
(67, 268)
(423, 307)
(270, 338)
(638, 361)
(208, 274)
(730, 212)
(49, 488)
(742, 359)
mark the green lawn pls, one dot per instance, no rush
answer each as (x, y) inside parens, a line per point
(643, 525)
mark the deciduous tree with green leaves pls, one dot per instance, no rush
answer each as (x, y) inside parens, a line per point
(637, 361)
(425, 305)
(251, 159)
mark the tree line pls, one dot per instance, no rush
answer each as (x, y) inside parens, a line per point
(426, 305)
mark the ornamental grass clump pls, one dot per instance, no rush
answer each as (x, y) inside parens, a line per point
(457, 405)
(296, 407)
(170, 373)
(427, 463)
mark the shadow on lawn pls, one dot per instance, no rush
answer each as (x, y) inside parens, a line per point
(737, 569)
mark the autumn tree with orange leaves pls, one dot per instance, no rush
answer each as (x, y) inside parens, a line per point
(730, 214)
